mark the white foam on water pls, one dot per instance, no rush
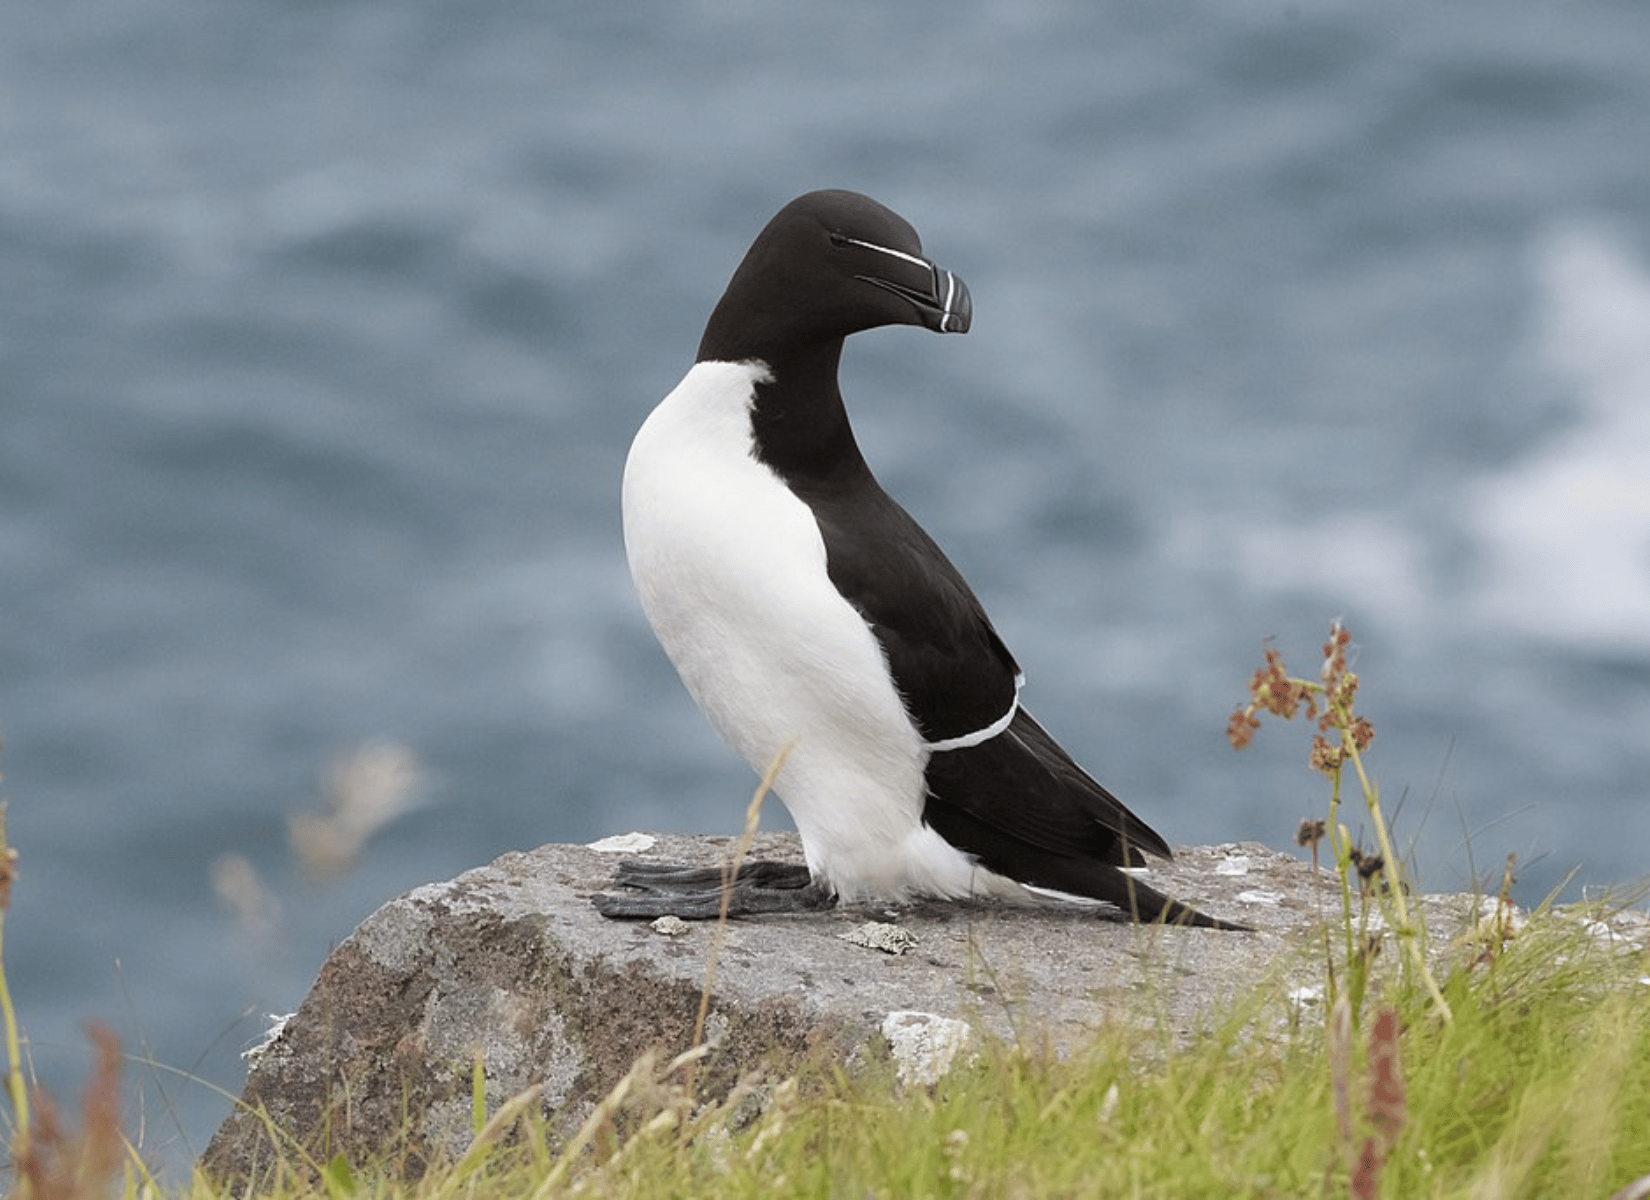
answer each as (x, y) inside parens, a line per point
(1565, 532)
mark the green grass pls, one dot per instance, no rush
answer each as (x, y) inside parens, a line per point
(1513, 1063)
(1539, 1086)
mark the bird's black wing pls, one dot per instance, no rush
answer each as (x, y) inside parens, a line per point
(952, 670)
(957, 677)
(1022, 788)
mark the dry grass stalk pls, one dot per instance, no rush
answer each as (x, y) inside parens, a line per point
(1388, 1107)
(53, 1164)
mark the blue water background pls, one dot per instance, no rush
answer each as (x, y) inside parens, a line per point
(324, 330)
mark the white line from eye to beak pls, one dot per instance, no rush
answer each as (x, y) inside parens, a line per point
(910, 258)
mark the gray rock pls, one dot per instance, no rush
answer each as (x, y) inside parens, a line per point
(511, 963)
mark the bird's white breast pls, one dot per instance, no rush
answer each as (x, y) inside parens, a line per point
(731, 570)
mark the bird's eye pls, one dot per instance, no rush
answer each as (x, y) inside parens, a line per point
(840, 239)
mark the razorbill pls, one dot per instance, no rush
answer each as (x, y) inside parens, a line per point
(803, 607)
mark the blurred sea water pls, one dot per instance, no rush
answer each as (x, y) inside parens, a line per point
(324, 330)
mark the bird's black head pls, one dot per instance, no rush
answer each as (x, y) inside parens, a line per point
(829, 264)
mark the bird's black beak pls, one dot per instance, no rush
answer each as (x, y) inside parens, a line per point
(940, 298)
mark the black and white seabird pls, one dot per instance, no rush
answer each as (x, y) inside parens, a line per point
(803, 607)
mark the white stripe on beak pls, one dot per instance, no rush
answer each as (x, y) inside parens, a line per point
(950, 295)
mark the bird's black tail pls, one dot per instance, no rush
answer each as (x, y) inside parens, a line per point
(1146, 904)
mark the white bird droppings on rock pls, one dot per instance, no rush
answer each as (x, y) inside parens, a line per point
(925, 1045)
(277, 1026)
(624, 843)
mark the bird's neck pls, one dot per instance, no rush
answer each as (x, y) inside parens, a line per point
(799, 421)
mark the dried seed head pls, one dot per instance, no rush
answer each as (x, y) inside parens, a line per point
(1240, 730)
(1326, 756)
(1363, 733)
(1272, 689)
(1310, 832)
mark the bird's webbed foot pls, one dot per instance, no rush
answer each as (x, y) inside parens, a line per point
(695, 893)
